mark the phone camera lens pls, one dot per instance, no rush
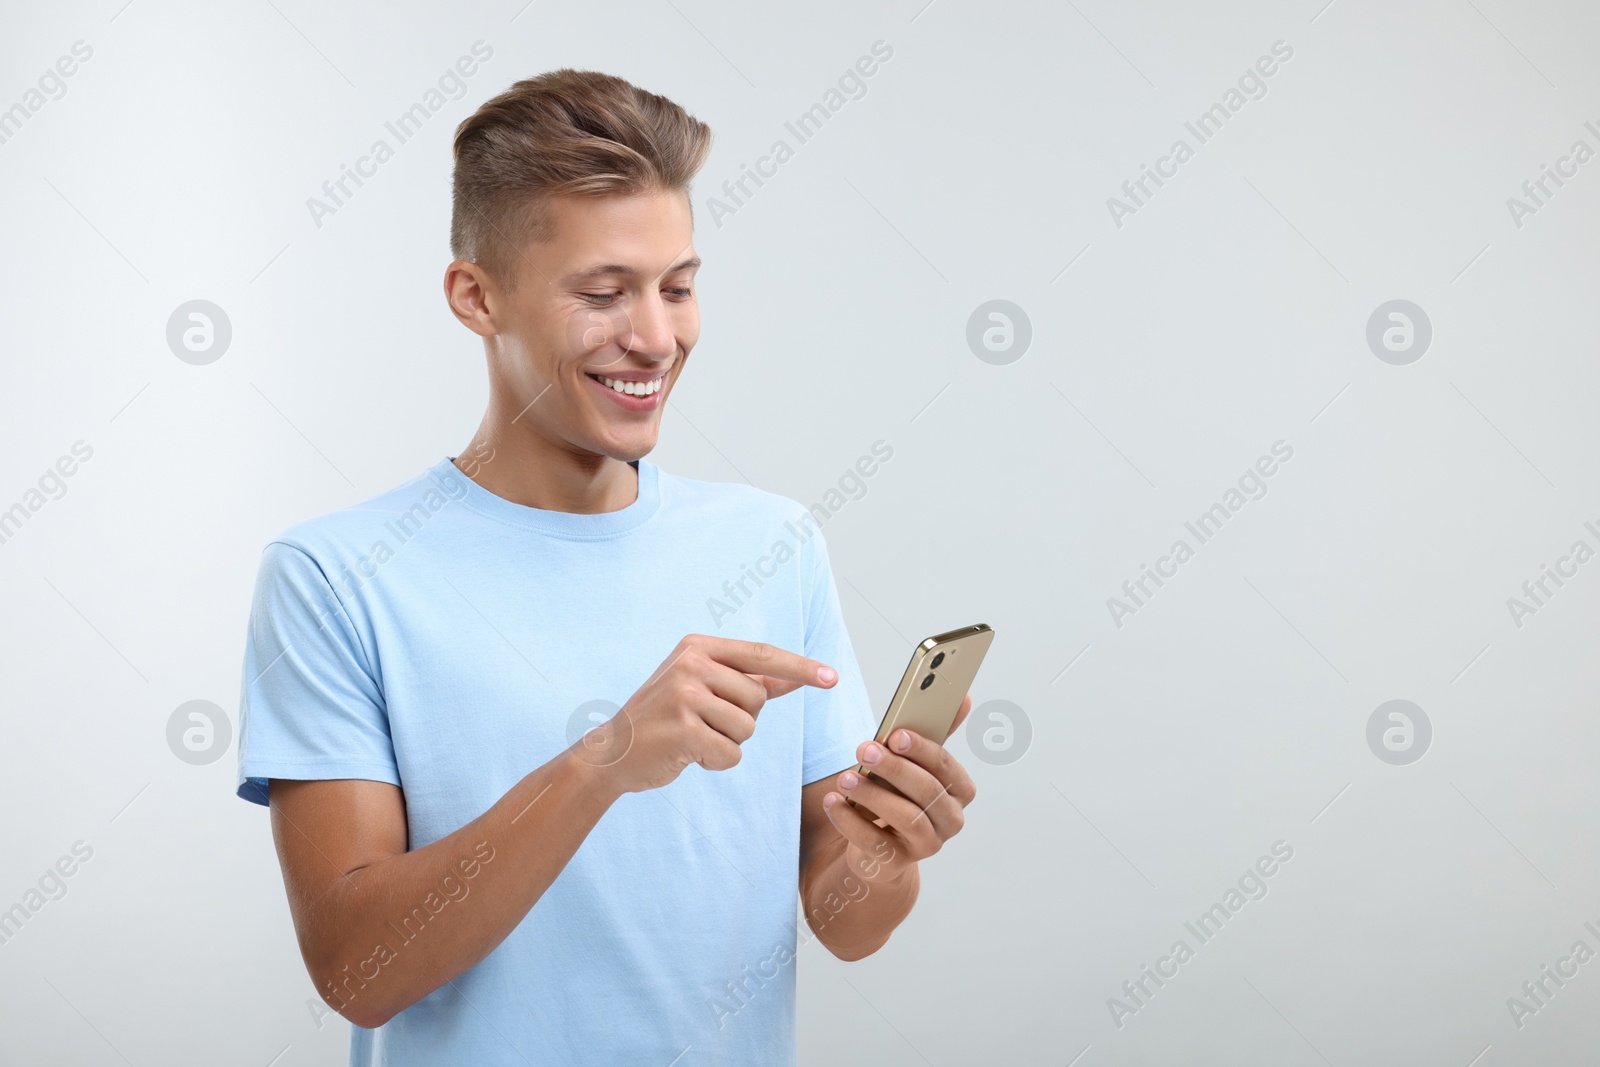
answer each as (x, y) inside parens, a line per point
(927, 681)
(937, 660)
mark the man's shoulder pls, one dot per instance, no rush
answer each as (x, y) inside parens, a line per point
(353, 527)
(740, 502)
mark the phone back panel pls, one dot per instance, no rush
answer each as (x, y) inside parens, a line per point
(930, 710)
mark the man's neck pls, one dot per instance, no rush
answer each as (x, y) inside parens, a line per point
(513, 461)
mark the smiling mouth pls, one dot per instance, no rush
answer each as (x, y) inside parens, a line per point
(631, 388)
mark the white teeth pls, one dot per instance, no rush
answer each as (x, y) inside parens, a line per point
(633, 388)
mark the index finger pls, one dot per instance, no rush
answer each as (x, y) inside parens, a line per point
(758, 658)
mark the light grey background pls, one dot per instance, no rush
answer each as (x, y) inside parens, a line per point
(1168, 353)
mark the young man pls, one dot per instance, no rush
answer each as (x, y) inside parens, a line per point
(534, 802)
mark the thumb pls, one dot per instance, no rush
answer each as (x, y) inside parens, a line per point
(777, 687)
(961, 716)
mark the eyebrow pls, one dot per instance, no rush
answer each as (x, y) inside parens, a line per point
(607, 269)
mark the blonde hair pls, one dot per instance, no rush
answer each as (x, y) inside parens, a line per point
(564, 133)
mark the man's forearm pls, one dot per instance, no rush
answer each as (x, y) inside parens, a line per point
(390, 933)
(853, 905)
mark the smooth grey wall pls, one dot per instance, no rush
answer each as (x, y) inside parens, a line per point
(1156, 756)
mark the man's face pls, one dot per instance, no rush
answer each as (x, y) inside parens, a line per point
(607, 300)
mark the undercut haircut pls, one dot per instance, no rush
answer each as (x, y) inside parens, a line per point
(563, 133)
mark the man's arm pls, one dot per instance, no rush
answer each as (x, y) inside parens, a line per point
(859, 881)
(380, 927)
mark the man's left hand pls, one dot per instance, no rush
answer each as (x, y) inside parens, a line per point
(936, 789)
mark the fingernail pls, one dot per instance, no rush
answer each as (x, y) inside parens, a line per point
(830, 800)
(827, 674)
(849, 780)
(902, 740)
(872, 755)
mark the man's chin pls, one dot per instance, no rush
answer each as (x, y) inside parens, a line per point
(626, 447)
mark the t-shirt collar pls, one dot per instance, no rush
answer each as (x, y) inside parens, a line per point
(574, 525)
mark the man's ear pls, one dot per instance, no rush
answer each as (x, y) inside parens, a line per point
(472, 296)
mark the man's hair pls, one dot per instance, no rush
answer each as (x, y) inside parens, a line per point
(565, 132)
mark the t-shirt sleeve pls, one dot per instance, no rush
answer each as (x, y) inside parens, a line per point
(311, 705)
(840, 718)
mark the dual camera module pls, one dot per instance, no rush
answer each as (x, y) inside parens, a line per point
(938, 659)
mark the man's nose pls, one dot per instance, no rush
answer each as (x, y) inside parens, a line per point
(649, 330)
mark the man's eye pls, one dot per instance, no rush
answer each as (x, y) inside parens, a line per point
(680, 292)
(600, 299)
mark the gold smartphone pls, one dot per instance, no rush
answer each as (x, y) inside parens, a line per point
(938, 677)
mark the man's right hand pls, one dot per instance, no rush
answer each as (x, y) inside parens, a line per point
(699, 706)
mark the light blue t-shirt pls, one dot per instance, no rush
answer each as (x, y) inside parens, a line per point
(444, 639)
